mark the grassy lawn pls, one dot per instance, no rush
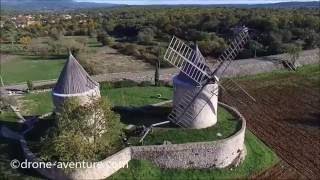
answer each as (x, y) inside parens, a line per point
(8, 116)
(259, 157)
(136, 96)
(308, 75)
(24, 68)
(40, 103)
(37, 104)
(226, 125)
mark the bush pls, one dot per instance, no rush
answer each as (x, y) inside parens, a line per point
(83, 133)
(125, 83)
(145, 36)
(25, 41)
(130, 49)
(87, 65)
(145, 83)
(30, 85)
(105, 39)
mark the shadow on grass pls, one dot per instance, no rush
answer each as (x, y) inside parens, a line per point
(40, 129)
(146, 115)
(11, 149)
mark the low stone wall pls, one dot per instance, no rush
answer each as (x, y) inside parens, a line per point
(214, 154)
(106, 167)
(50, 173)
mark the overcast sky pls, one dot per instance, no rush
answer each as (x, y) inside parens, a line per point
(143, 2)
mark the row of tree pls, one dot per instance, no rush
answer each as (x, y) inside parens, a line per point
(273, 30)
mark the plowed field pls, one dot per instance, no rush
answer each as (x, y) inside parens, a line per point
(286, 117)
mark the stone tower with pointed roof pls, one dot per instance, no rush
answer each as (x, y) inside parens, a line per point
(74, 82)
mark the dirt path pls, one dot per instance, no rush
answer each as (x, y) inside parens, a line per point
(108, 60)
(287, 118)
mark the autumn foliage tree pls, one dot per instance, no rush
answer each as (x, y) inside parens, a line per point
(83, 133)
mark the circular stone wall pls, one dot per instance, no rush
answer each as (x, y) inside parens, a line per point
(199, 155)
(212, 154)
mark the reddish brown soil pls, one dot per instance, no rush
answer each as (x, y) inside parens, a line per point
(280, 171)
(287, 119)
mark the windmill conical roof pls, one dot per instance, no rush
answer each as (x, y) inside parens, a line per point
(74, 79)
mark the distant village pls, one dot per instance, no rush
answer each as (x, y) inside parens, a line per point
(26, 20)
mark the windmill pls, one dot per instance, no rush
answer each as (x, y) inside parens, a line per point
(196, 87)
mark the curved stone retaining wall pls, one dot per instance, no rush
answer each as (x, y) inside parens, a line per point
(106, 167)
(213, 154)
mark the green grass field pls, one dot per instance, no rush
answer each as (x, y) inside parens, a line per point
(37, 104)
(41, 103)
(308, 75)
(8, 116)
(136, 96)
(259, 157)
(24, 68)
(226, 125)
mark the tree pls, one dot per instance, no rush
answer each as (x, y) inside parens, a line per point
(25, 41)
(293, 52)
(145, 36)
(30, 85)
(89, 132)
(157, 71)
(55, 34)
(104, 39)
(254, 45)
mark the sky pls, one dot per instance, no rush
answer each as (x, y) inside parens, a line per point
(148, 2)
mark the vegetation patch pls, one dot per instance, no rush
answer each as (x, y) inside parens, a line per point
(307, 76)
(90, 133)
(40, 103)
(24, 68)
(137, 96)
(37, 103)
(225, 127)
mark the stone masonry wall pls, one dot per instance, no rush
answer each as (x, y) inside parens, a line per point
(106, 167)
(215, 154)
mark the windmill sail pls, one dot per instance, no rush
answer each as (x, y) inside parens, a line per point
(231, 52)
(182, 56)
(236, 91)
(187, 60)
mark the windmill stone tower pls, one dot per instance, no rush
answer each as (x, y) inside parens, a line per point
(196, 86)
(205, 105)
(74, 82)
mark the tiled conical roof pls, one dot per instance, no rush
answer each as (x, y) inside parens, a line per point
(74, 79)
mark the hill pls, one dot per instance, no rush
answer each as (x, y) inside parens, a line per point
(49, 5)
(64, 5)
